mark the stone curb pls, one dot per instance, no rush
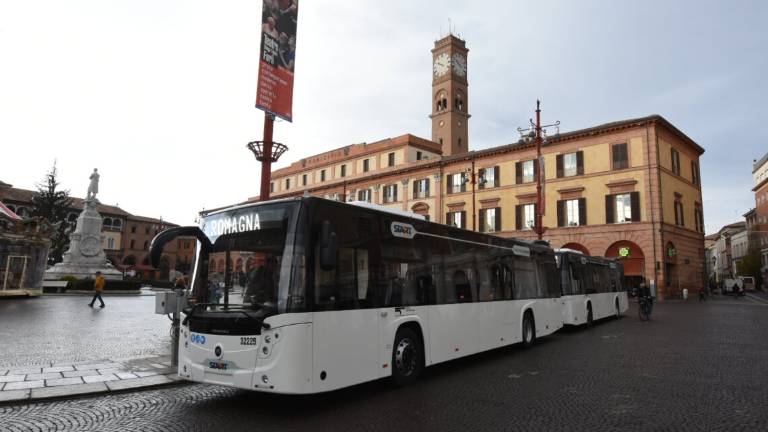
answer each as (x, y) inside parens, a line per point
(75, 379)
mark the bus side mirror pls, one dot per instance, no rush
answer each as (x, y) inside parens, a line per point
(329, 247)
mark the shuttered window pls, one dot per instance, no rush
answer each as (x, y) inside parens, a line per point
(570, 164)
(620, 156)
(490, 219)
(572, 212)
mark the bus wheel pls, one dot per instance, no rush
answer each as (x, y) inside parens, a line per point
(529, 330)
(618, 311)
(407, 358)
(589, 315)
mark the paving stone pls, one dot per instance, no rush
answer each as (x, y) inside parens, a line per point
(126, 375)
(3, 372)
(25, 370)
(99, 378)
(12, 378)
(158, 366)
(63, 381)
(13, 395)
(2, 385)
(43, 376)
(138, 382)
(70, 390)
(147, 373)
(111, 371)
(24, 385)
(73, 374)
(58, 369)
(99, 366)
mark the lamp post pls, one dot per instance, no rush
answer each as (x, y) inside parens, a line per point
(538, 134)
(474, 178)
(267, 152)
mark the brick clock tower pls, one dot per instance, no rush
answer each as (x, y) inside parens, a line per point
(450, 116)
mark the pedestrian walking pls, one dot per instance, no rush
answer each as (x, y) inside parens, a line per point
(98, 288)
(702, 294)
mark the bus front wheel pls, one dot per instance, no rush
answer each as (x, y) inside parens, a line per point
(529, 330)
(590, 319)
(407, 357)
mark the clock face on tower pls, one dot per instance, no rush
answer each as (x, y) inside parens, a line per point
(442, 64)
(459, 65)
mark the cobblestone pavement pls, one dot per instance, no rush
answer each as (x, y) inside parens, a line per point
(695, 366)
(54, 329)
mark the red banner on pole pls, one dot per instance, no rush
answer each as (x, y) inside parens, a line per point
(274, 92)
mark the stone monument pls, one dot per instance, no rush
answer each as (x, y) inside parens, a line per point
(85, 256)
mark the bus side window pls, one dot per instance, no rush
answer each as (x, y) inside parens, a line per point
(461, 287)
(525, 278)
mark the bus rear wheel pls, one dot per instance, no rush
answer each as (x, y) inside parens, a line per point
(618, 311)
(407, 357)
(590, 319)
(529, 330)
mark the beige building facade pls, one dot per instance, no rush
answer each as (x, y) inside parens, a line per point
(630, 189)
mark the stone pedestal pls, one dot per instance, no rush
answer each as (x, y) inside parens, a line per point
(85, 256)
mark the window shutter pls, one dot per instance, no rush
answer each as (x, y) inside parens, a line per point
(482, 219)
(481, 176)
(448, 220)
(463, 183)
(518, 217)
(682, 215)
(559, 160)
(518, 173)
(496, 178)
(677, 212)
(426, 187)
(415, 189)
(535, 169)
(579, 163)
(394, 192)
(560, 213)
(609, 210)
(449, 184)
(497, 210)
(635, 199)
(582, 211)
(464, 219)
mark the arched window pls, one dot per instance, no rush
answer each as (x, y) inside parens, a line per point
(117, 224)
(107, 223)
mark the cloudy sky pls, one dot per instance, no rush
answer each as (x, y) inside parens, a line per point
(159, 95)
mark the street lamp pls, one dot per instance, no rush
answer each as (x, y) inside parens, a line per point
(474, 178)
(537, 133)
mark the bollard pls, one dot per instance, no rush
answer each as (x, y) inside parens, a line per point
(685, 293)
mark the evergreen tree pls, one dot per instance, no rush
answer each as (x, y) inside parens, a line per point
(53, 204)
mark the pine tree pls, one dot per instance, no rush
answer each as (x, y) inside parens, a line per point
(53, 204)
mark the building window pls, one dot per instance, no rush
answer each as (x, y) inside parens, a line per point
(525, 172)
(287, 184)
(364, 195)
(456, 183)
(675, 161)
(418, 155)
(133, 231)
(695, 179)
(322, 175)
(570, 164)
(343, 171)
(146, 230)
(391, 159)
(390, 193)
(620, 156)
(456, 219)
(490, 219)
(271, 187)
(133, 244)
(526, 216)
(458, 145)
(488, 177)
(421, 188)
(146, 245)
(110, 243)
(117, 224)
(303, 179)
(622, 208)
(679, 217)
(572, 212)
(366, 165)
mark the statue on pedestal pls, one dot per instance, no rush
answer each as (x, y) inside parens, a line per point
(85, 255)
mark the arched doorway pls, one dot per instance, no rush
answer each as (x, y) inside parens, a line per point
(633, 259)
(577, 247)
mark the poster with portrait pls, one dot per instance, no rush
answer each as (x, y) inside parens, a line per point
(274, 92)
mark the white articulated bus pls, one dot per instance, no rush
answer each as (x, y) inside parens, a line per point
(321, 295)
(591, 287)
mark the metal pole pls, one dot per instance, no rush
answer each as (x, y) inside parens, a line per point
(175, 328)
(474, 216)
(266, 163)
(539, 229)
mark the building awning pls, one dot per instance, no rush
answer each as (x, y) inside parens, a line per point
(7, 212)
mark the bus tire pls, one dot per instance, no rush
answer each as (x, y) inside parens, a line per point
(590, 318)
(407, 357)
(618, 310)
(529, 329)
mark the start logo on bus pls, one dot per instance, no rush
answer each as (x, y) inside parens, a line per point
(403, 230)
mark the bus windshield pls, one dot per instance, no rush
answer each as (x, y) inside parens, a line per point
(250, 261)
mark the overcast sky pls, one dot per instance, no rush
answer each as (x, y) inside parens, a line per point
(159, 95)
